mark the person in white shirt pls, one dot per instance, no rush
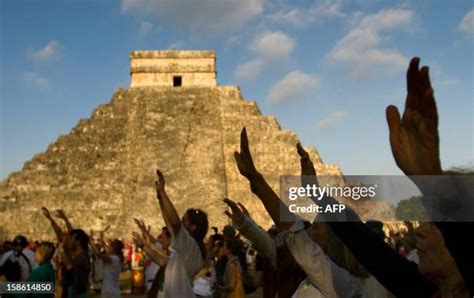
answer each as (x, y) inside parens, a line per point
(305, 251)
(19, 254)
(151, 268)
(112, 256)
(187, 248)
(322, 271)
(113, 259)
(157, 250)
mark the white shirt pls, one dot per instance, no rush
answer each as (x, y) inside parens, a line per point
(311, 258)
(372, 288)
(184, 263)
(344, 284)
(110, 276)
(25, 268)
(151, 270)
(413, 256)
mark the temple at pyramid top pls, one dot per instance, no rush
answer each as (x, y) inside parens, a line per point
(173, 68)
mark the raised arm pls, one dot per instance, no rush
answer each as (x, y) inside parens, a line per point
(60, 214)
(415, 143)
(259, 186)
(57, 229)
(156, 255)
(145, 230)
(170, 215)
(261, 240)
(414, 138)
(394, 272)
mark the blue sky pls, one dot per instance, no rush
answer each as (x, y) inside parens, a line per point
(325, 69)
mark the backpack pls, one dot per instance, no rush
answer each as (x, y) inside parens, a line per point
(11, 268)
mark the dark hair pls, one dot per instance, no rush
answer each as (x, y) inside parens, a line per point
(117, 247)
(233, 245)
(216, 237)
(21, 241)
(82, 237)
(199, 219)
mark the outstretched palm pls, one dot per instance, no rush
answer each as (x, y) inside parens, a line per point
(238, 211)
(46, 212)
(414, 138)
(160, 184)
(244, 158)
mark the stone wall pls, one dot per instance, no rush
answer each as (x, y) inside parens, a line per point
(157, 68)
(103, 171)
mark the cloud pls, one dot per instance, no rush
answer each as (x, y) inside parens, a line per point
(271, 48)
(273, 45)
(440, 77)
(360, 49)
(205, 16)
(249, 70)
(301, 16)
(292, 86)
(467, 23)
(48, 52)
(332, 120)
(145, 28)
(33, 79)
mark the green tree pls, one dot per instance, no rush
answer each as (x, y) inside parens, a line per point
(411, 209)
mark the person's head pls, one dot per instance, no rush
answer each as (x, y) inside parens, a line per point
(196, 222)
(79, 239)
(229, 231)
(216, 237)
(117, 247)
(164, 238)
(231, 247)
(44, 252)
(19, 243)
(436, 263)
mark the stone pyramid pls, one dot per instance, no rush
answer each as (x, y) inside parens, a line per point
(174, 117)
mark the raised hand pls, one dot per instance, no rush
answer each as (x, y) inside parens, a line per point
(308, 172)
(46, 213)
(138, 240)
(237, 215)
(160, 184)
(140, 224)
(244, 209)
(244, 158)
(146, 230)
(414, 138)
(60, 214)
(307, 166)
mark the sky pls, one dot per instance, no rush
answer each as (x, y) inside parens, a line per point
(326, 69)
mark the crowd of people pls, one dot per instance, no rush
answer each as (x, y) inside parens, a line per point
(336, 255)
